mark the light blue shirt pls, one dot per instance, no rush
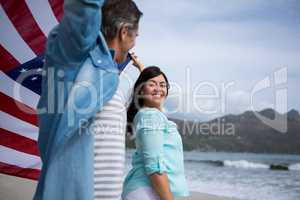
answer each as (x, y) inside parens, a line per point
(158, 149)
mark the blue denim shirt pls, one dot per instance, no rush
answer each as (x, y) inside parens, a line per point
(81, 78)
(158, 149)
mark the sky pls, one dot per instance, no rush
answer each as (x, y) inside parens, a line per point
(218, 55)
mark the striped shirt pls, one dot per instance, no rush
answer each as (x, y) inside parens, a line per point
(109, 127)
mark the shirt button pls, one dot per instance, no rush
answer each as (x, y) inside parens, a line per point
(99, 61)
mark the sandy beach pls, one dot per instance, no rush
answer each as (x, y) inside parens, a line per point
(15, 188)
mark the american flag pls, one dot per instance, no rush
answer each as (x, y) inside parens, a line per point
(24, 26)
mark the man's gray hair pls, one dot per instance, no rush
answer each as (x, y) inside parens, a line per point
(117, 14)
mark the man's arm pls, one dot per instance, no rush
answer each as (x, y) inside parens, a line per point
(77, 32)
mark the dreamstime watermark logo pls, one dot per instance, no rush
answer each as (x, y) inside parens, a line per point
(216, 102)
(278, 83)
(83, 96)
(218, 127)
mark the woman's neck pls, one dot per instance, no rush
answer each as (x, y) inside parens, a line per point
(147, 106)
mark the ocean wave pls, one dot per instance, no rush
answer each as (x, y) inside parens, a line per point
(245, 164)
(210, 162)
(294, 166)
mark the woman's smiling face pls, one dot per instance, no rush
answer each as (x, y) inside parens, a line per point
(154, 91)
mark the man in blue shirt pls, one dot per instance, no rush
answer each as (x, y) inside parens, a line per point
(81, 75)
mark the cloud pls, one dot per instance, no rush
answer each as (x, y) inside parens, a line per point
(223, 41)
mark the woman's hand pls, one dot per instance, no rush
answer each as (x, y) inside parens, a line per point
(136, 62)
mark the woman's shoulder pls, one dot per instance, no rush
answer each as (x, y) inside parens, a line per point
(149, 114)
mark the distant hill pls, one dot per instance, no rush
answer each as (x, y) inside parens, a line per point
(241, 133)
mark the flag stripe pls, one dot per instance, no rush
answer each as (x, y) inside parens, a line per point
(18, 92)
(46, 19)
(11, 40)
(24, 27)
(18, 126)
(57, 7)
(24, 22)
(7, 61)
(20, 159)
(17, 109)
(18, 142)
(18, 171)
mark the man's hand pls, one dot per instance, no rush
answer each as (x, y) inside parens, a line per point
(136, 62)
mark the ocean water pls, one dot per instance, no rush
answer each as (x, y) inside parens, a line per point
(241, 175)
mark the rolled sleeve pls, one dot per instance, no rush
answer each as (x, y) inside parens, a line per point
(153, 165)
(150, 135)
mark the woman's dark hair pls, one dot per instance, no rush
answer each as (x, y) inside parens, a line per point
(136, 101)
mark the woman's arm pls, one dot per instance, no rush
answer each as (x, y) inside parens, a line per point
(160, 184)
(150, 136)
(136, 62)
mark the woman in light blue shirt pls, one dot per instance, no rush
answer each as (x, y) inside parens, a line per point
(157, 165)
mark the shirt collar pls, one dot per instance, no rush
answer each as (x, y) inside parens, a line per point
(121, 66)
(112, 53)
